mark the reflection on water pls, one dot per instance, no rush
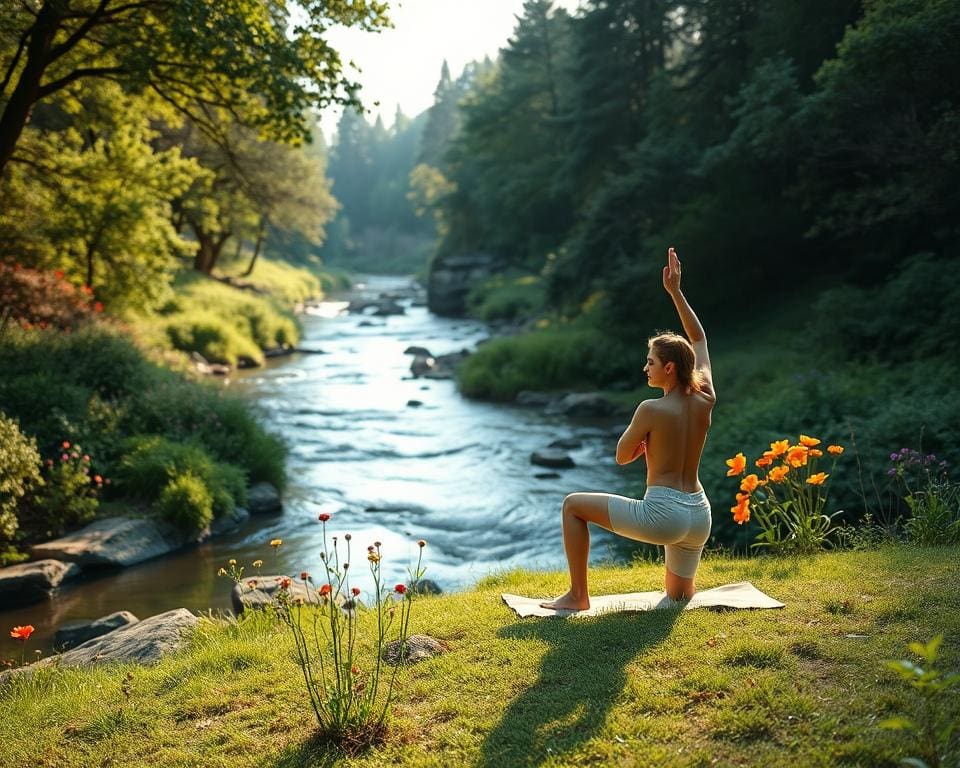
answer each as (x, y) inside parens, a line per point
(454, 472)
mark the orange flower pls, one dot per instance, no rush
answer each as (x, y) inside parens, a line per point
(737, 464)
(778, 448)
(741, 512)
(809, 442)
(817, 479)
(765, 461)
(797, 455)
(836, 450)
(749, 483)
(22, 633)
(777, 474)
(816, 453)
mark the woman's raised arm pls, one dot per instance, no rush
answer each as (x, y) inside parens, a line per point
(691, 324)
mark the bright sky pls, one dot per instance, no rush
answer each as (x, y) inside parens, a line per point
(402, 65)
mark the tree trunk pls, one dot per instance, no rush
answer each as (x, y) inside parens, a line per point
(261, 232)
(209, 251)
(16, 113)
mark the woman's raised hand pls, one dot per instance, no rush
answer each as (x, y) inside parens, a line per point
(671, 273)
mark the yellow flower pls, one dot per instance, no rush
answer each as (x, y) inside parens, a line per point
(222, 572)
(276, 543)
(797, 455)
(836, 450)
(749, 483)
(809, 442)
(778, 448)
(737, 464)
(777, 474)
(817, 479)
(231, 561)
(373, 557)
(257, 563)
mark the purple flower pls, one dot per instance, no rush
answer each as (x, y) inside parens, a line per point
(891, 471)
(894, 456)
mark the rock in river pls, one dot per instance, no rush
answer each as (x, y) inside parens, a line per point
(75, 633)
(30, 582)
(551, 458)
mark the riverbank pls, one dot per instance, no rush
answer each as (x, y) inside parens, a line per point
(802, 686)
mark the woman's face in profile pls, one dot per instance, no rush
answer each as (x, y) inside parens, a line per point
(653, 369)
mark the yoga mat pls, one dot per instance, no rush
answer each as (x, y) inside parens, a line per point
(740, 595)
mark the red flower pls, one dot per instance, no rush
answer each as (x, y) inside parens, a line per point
(87, 290)
(324, 590)
(22, 633)
(58, 274)
(98, 306)
(285, 582)
(355, 591)
(324, 517)
(400, 589)
(65, 444)
(97, 479)
(304, 575)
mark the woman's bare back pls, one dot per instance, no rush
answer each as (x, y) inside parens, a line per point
(678, 425)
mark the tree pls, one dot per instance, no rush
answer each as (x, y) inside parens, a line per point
(245, 58)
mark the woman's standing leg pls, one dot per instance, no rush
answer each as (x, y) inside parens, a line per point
(577, 511)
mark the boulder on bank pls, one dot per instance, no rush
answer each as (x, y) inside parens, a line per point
(418, 351)
(425, 587)
(114, 541)
(144, 642)
(551, 458)
(257, 592)
(75, 633)
(263, 498)
(452, 276)
(31, 582)
(582, 404)
(416, 648)
(528, 397)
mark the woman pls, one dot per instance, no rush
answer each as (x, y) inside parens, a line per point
(670, 432)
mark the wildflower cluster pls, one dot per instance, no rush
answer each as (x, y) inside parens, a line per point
(933, 500)
(788, 500)
(345, 685)
(70, 493)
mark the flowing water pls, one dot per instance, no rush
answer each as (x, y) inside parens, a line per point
(452, 471)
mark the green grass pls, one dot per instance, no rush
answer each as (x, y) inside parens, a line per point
(788, 687)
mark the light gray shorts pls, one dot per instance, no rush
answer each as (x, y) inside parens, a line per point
(677, 520)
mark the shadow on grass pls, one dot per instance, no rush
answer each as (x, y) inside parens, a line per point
(581, 677)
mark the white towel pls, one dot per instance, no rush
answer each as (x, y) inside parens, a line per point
(740, 595)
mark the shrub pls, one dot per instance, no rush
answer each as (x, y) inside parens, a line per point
(19, 473)
(150, 464)
(934, 500)
(35, 298)
(504, 298)
(69, 497)
(213, 337)
(186, 502)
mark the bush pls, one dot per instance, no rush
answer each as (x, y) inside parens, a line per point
(568, 358)
(35, 298)
(151, 464)
(504, 298)
(213, 337)
(69, 497)
(19, 473)
(186, 502)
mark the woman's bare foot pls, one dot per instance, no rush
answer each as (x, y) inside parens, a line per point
(567, 603)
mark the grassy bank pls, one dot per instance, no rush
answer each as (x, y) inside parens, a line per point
(802, 686)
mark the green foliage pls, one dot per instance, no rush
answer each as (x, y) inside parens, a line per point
(542, 360)
(937, 733)
(19, 472)
(933, 499)
(213, 336)
(186, 502)
(152, 468)
(69, 497)
(505, 298)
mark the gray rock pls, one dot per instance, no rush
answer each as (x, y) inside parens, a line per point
(452, 277)
(230, 522)
(551, 458)
(426, 587)
(414, 403)
(114, 541)
(76, 633)
(418, 351)
(421, 365)
(31, 582)
(144, 643)
(257, 592)
(567, 443)
(526, 397)
(582, 404)
(416, 648)
(263, 498)
(547, 475)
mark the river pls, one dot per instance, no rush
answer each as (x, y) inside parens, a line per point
(451, 471)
